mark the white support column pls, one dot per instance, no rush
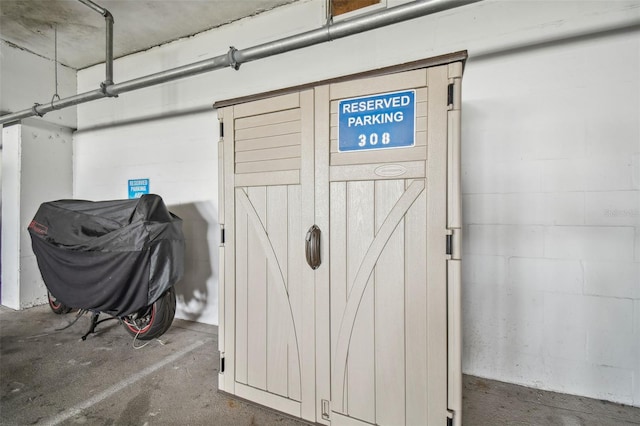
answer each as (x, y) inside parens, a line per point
(11, 216)
(37, 167)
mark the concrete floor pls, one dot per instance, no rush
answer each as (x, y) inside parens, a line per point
(52, 377)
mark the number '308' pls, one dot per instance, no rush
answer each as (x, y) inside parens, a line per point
(373, 139)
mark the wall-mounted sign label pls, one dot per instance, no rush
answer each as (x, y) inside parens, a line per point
(377, 122)
(138, 187)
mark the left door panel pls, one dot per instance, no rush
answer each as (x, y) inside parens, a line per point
(268, 207)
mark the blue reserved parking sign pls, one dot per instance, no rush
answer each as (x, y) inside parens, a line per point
(138, 187)
(377, 122)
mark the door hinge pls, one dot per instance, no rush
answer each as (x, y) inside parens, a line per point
(450, 94)
(221, 129)
(449, 244)
(222, 237)
(450, 415)
(221, 363)
(326, 408)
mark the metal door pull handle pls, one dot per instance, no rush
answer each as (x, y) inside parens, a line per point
(312, 247)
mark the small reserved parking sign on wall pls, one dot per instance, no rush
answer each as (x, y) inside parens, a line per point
(138, 187)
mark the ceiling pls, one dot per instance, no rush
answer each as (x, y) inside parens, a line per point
(139, 24)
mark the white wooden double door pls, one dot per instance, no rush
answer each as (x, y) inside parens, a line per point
(372, 335)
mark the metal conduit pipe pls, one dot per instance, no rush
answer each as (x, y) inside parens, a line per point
(348, 27)
(219, 62)
(109, 52)
(101, 10)
(109, 40)
(234, 58)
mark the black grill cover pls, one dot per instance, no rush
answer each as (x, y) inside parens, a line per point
(111, 256)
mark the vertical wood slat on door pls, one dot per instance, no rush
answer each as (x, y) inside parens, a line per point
(415, 312)
(338, 275)
(361, 368)
(257, 297)
(307, 333)
(278, 312)
(294, 267)
(241, 258)
(389, 311)
(322, 285)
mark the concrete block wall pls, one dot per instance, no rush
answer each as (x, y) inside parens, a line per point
(550, 169)
(552, 211)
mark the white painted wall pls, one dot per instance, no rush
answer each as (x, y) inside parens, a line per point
(552, 214)
(26, 78)
(37, 167)
(11, 216)
(551, 169)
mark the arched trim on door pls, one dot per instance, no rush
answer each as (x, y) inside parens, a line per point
(360, 284)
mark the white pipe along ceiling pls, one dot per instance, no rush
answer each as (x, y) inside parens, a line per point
(234, 57)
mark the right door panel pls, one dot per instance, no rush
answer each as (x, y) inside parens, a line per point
(388, 284)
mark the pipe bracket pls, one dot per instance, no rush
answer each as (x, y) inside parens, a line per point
(103, 88)
(55, 95)
(34, 109)
(231, 56)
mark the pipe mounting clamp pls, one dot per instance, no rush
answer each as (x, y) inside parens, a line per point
(232, 58)
(103, 87)
(34, 108)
